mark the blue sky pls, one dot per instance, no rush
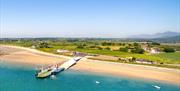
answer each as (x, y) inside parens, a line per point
(88, 18)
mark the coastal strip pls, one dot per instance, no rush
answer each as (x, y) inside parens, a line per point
(21, 55)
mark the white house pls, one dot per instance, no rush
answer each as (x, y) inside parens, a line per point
(62, 51)
(154, 51)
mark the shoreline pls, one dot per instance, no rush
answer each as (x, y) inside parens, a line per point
(21, 55)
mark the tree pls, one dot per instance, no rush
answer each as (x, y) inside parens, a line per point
(155, 43)
(129, 45)
(99, 48)
(107, 43)
(169, 50)
(107, 48)
(149, 44)
(133, 59)
(136, 44)
(44, 45)
(103, 43)
(123, 49)
(119, 44)
(93, 46)
(80, 46)
(84, 45)
(138, 50)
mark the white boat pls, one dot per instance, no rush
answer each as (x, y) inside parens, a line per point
(57, 70)
(44, 73)
(157, 87)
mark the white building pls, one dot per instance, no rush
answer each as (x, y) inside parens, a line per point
(62, 51)
(154, 51)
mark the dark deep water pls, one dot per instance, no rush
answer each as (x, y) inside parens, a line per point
(22, 79)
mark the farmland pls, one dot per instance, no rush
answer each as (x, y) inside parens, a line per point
(102, 47)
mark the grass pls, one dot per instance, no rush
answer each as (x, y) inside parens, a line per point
(165, 57)
(156, 65)
(169, 58)
(112, 47)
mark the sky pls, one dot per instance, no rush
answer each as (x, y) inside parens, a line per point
(87, 18)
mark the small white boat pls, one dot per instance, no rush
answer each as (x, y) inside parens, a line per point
(97, 82)
(157, 87)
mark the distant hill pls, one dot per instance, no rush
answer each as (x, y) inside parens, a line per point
(174, 39)
(157, 35)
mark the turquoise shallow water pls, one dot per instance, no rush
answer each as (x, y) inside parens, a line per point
(22, 79)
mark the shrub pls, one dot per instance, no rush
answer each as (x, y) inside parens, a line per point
(107, 44)
(138, 50)
(123, 49)
(84, 45)
(107, 48)
(99, 48)
(169, 50)
(136, 44)
(133, 59)
(93, 46)
(80, 46)
(43, 45)
(155, 43)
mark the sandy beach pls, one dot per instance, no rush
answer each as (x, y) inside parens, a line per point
(34, 57)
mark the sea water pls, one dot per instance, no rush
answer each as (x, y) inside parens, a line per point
(22, 79)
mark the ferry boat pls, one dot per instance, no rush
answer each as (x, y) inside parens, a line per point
(53, 70)
(57, 70)
(43, 73)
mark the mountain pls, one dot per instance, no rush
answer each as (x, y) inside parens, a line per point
(174, 39)
(157, 35)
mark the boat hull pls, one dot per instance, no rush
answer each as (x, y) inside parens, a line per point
(57, 71)
(44, 74)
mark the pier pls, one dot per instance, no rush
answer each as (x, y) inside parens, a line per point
(57, 68)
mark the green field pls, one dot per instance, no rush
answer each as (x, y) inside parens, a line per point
(171, 56)
(168, 58)
(162, 57)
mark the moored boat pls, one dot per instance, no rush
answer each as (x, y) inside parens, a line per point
(44, 73)
(55, 69)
